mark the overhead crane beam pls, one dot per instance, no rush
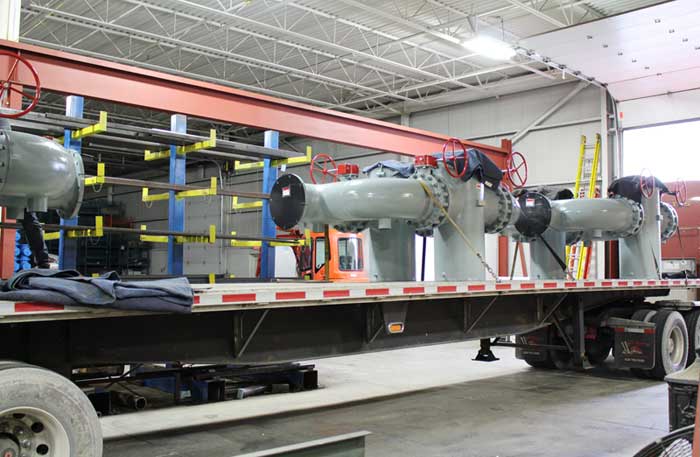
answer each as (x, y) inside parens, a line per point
(94, 78)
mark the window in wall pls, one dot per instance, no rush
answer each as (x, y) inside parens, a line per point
(669, 152)
(350, 254)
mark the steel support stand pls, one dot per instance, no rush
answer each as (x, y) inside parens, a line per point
(269, 228)
(176, 208)
(485, 353)
(68, 248)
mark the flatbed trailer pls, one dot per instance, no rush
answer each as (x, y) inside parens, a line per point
(255, 323)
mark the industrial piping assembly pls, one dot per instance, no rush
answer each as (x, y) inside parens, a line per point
(462, 201)
(38, 174)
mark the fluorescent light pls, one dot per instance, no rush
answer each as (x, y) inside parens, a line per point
(490, 47)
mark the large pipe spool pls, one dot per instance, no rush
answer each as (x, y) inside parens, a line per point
(38, 174)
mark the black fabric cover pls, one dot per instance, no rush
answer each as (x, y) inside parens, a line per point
(69, 288)
(628, 187)
(405, 169)
(480, 167)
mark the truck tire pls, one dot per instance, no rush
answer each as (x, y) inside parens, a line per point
(671, 343)
(598, 350)
(46, 413)
(692, 321)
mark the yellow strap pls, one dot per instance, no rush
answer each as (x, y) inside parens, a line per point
(212, 278)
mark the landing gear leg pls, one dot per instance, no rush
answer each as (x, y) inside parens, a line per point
(485, 353)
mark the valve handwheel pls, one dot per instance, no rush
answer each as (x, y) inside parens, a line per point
(647, 184)
(680, 192)
(324, 166)
(11, 84)
(452, 166)
(516, 170)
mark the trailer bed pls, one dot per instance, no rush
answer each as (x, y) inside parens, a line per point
(247, 296)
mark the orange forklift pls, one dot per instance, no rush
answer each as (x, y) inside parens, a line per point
(346, 262)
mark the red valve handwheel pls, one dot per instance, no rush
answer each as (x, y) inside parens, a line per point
(452, 171)
(680, 191)
(647, 184)
(324, 165)
(11, 84)
(516, 170)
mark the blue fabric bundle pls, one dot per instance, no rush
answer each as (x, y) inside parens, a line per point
(69, 288)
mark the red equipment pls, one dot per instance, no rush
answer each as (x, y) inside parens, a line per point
(516, 170)
(325, 165)
(10, 84)
(453, 171)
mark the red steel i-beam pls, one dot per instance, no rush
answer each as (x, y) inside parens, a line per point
(99, 79)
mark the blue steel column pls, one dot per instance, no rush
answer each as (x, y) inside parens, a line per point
(176, 208)
(269, 229)
(68, 248)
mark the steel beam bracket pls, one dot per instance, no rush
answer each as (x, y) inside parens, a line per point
(211, 239)
(184, 149)
(204, 192)
(96, 232)
(244, 244)
(306, 241)
(99, 179)
(146, 197)
(94, 129)
(152, 238)
(238, 166)
(199, 192)
(249, 205)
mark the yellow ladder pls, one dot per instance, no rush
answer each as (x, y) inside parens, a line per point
(577, 254)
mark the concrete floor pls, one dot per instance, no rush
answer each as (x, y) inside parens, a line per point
(448, 406)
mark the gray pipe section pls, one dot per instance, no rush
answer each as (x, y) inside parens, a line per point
(612, 215)
(365, 200)
(38, 174)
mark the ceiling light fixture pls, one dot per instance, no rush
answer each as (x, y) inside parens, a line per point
(489, 47)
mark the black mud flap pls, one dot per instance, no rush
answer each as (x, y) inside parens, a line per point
(634, 343)
(540, 336)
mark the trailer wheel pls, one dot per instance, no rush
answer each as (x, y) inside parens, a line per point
(671, 343)
(43, 413)
(598, 350)
(692, 321)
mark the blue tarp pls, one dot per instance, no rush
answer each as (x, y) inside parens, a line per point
(69, 288)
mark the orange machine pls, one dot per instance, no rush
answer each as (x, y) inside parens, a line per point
(346, 260)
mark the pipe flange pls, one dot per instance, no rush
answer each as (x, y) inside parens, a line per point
(352, 227)
(505, 211)
(440, 192)
(637, 220)
(670, 221)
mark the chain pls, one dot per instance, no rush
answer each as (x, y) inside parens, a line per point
(437, 203)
